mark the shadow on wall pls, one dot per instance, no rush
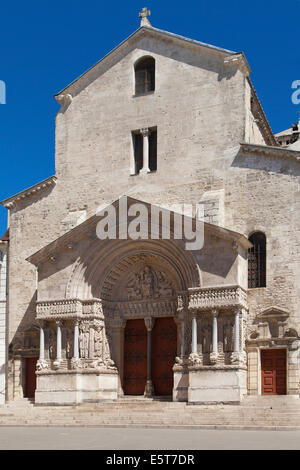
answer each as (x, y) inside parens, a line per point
(269, 163)
(28, 323)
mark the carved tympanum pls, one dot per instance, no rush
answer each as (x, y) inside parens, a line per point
(148, 284)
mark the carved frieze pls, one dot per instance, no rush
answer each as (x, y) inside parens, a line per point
(148, 284)
(204, 298)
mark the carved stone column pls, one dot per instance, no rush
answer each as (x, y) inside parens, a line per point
(76, 340)
(145, 133)
(42, 342)
(236, 331)
(194, 357)
(42, 363)
(117, 327)
(194, 334)
(182, 338)
(214, 354)
(239, 355)
(58, 359)
(149, 390)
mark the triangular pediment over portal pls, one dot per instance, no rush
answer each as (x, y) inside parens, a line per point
(272, 313)
(88, 229)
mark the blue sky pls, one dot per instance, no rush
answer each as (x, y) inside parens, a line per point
(46, 45)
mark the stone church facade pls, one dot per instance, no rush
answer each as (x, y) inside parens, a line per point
(160, 120)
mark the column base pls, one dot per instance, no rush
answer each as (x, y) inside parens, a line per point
(149, 390)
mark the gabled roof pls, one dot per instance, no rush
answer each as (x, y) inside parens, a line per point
(139, 33)
(88, 228)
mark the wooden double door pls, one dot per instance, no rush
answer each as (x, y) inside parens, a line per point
(164, 350)
(273, 371)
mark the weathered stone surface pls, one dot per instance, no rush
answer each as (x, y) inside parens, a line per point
(203, 107)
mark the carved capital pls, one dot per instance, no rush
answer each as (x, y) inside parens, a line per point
(145, 132)
(215, 312)
(237, 309)
(149, 322)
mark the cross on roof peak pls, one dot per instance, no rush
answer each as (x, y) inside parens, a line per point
(143, 15)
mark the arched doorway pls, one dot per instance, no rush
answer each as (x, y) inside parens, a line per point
(138, 281)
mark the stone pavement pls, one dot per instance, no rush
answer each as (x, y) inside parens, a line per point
(97, 438)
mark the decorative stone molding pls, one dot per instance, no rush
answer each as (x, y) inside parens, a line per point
(69, 309)
(238, 60)
(271, 325)
(214, 357)
(76, 363)
(206, 298)
(238, 358)
(57, 364)
(42, 364)
(64, 99)
(195, 358)
(278, 152)
(142, 308)
(149, 322)
(11, 202)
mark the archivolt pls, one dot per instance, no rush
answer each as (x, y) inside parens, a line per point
(102, 265)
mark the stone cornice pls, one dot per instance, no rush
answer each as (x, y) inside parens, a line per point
(259, 114)
(278, 152)
(238, 60)
(12, 201)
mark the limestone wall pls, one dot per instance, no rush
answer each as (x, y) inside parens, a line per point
(199, 108)
(3, 306)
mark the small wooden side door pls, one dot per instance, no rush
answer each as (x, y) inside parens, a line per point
(30, 378)
(273, 372)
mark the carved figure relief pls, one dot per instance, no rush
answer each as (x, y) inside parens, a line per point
(84, 336)
(228, 336)
(69, 343)
(206, 338)
(94, 344)
(98, 341)
(52, 344)
(148, 284)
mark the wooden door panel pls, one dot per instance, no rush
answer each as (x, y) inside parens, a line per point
(273, 371)
(135, 357)
(164, 350)
(30, 385)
